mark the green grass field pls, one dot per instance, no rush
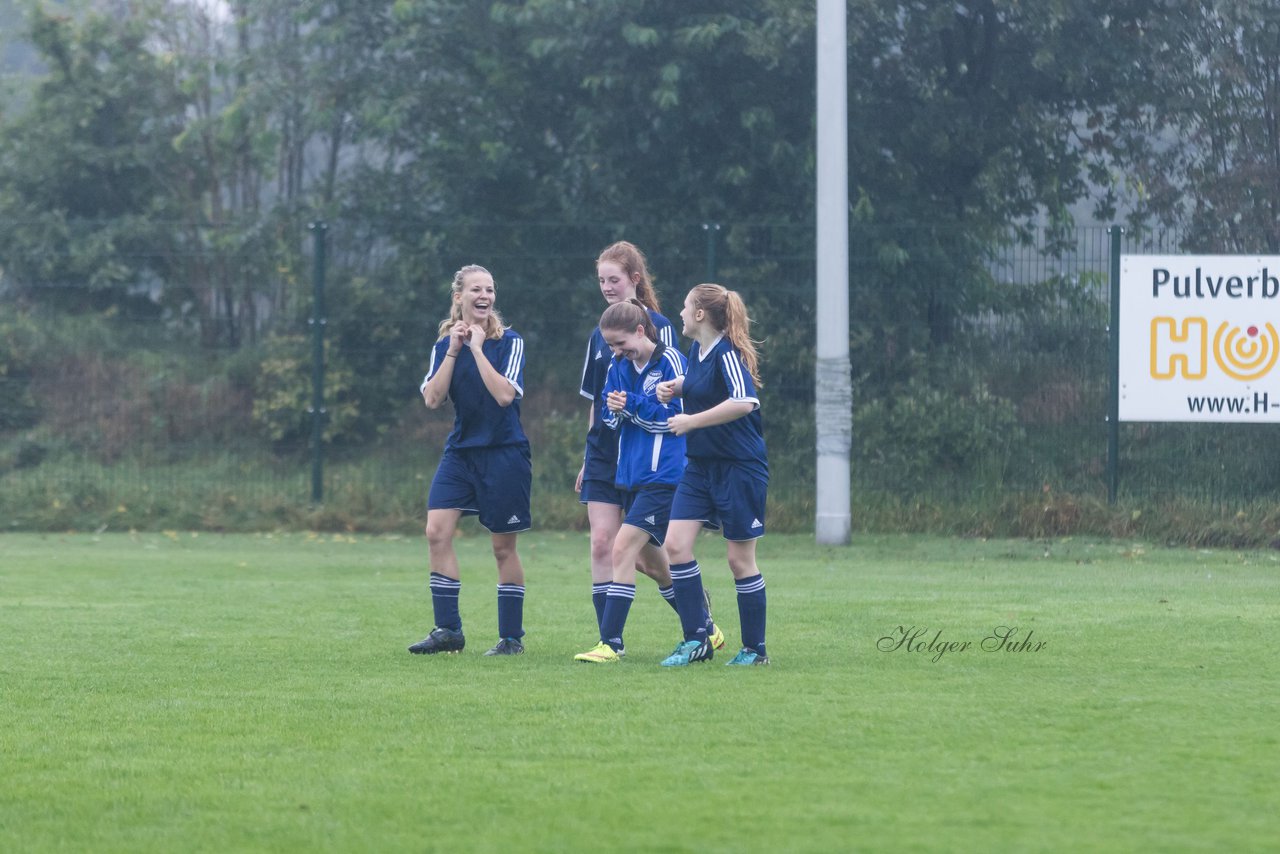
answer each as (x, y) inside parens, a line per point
(183, 692)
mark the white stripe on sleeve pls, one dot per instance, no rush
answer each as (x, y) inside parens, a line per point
(431, 369)
(733, 374)
(515, 361)
(674, 359)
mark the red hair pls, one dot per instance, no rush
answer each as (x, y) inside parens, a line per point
(629, 257)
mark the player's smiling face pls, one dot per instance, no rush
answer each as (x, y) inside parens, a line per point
(615, 285)
(477, 297)
(688, 317)
(634, 346)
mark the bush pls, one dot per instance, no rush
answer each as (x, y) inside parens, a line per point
(283, 394)
(921, 430)
(19, 344)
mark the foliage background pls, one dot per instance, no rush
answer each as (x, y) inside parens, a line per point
(161, 162)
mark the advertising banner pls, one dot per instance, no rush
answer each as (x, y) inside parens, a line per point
(1199, 338)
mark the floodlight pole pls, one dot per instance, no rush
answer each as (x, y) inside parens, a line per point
(833, 408)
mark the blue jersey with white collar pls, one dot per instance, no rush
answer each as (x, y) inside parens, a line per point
(648, 454)
(712, 378)
(601, 456)
(478, 420)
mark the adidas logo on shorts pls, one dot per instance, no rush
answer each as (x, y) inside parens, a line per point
(651, 520)
(514, 520)
(755, 523)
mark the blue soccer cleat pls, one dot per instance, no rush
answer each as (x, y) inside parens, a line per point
(688, 652)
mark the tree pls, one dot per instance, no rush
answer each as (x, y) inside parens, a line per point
(1196, 144)
(533, 132)
(966, 128)
(87, 170)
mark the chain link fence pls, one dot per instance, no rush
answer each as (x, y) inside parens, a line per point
(181, 394)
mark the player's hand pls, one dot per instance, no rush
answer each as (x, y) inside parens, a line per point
(616, 401)
(665, 391)
(476, 334)
(680, 424)
(458, 336)
(577, 484)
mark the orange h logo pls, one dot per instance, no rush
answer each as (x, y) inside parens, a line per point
(1175, 350)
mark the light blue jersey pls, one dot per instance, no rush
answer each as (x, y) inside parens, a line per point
(601, 456)
(648, 454)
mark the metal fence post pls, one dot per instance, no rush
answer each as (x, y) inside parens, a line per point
(712, 229)
(1113, 414)
(317, 323)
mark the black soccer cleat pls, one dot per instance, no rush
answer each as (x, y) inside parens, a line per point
(440, 640)
(507, 646)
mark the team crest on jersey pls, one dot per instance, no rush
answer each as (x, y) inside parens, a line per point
(651, 381)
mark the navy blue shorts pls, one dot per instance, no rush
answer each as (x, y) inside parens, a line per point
(649, 510)
(600, 491)
(723, 494)
(492, 483)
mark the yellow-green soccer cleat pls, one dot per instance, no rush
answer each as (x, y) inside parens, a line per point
(714, 635)
(601, 653)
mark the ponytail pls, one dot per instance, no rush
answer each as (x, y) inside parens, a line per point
(728, 314)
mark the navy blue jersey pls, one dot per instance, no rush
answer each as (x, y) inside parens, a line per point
(710, 379)
(602, 443)
(648, 454)
(478, 420)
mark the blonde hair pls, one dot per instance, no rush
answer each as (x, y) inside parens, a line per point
(492, 324)
(728, 314)
(627, 316)
(629, 257)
